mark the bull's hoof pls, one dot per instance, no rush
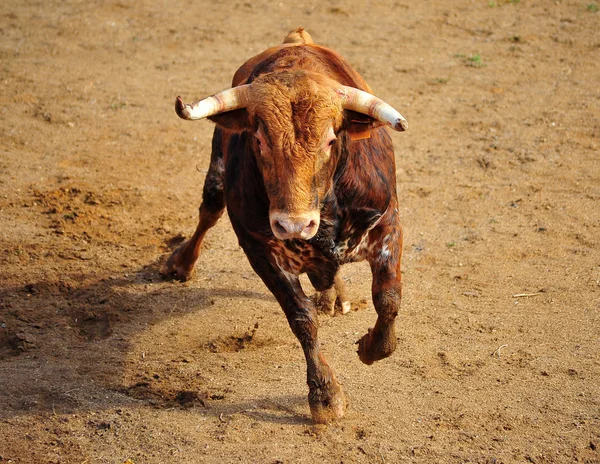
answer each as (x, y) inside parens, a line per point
(345, 306)
(375, 346)
(325, 301)
(176, 266)
(327, 403)
(328, 302)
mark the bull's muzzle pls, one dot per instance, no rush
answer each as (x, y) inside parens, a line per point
(287, 226)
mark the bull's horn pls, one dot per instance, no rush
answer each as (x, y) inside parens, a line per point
(227, 100)
(365, 103)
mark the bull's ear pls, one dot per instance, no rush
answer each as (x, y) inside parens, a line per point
(236, 120)
(359, 125)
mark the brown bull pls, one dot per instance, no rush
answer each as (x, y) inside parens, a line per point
(308, 176)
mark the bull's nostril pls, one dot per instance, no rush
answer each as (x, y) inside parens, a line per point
(280, 228)
(285, 226)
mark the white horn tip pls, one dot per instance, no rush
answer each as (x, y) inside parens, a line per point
(181, 109)
(401, 125)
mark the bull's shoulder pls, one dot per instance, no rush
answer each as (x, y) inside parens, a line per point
(244, 71)
(338, 68)
(365, 177)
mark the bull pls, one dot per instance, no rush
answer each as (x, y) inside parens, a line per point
(303, 162)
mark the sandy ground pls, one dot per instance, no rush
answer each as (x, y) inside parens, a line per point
(101, 361)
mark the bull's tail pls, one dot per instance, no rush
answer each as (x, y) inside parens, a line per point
(298, 37)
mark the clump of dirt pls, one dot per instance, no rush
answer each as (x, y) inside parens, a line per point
(159, 395)
(236, 343)
(80, 212)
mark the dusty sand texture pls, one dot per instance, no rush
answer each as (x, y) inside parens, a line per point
(499, 181)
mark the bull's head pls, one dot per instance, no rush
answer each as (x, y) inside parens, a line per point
(295, 117)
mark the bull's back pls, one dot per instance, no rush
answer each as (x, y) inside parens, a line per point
(301, 55)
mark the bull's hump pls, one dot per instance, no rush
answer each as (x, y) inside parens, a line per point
(294, 38)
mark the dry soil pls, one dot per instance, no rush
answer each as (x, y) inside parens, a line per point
(101, 361)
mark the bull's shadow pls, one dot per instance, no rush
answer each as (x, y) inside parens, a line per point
(64, 347)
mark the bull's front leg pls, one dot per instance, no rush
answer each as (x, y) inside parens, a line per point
(326, 397)
(380, 341)
(181, 262)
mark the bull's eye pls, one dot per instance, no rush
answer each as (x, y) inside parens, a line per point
(330, 140)
(260, 137)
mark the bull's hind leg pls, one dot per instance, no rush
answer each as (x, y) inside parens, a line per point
(334, 298)
(380, 341)
(181, 262)
(325, 397)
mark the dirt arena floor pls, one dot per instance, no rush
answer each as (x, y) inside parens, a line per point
(101, 361)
